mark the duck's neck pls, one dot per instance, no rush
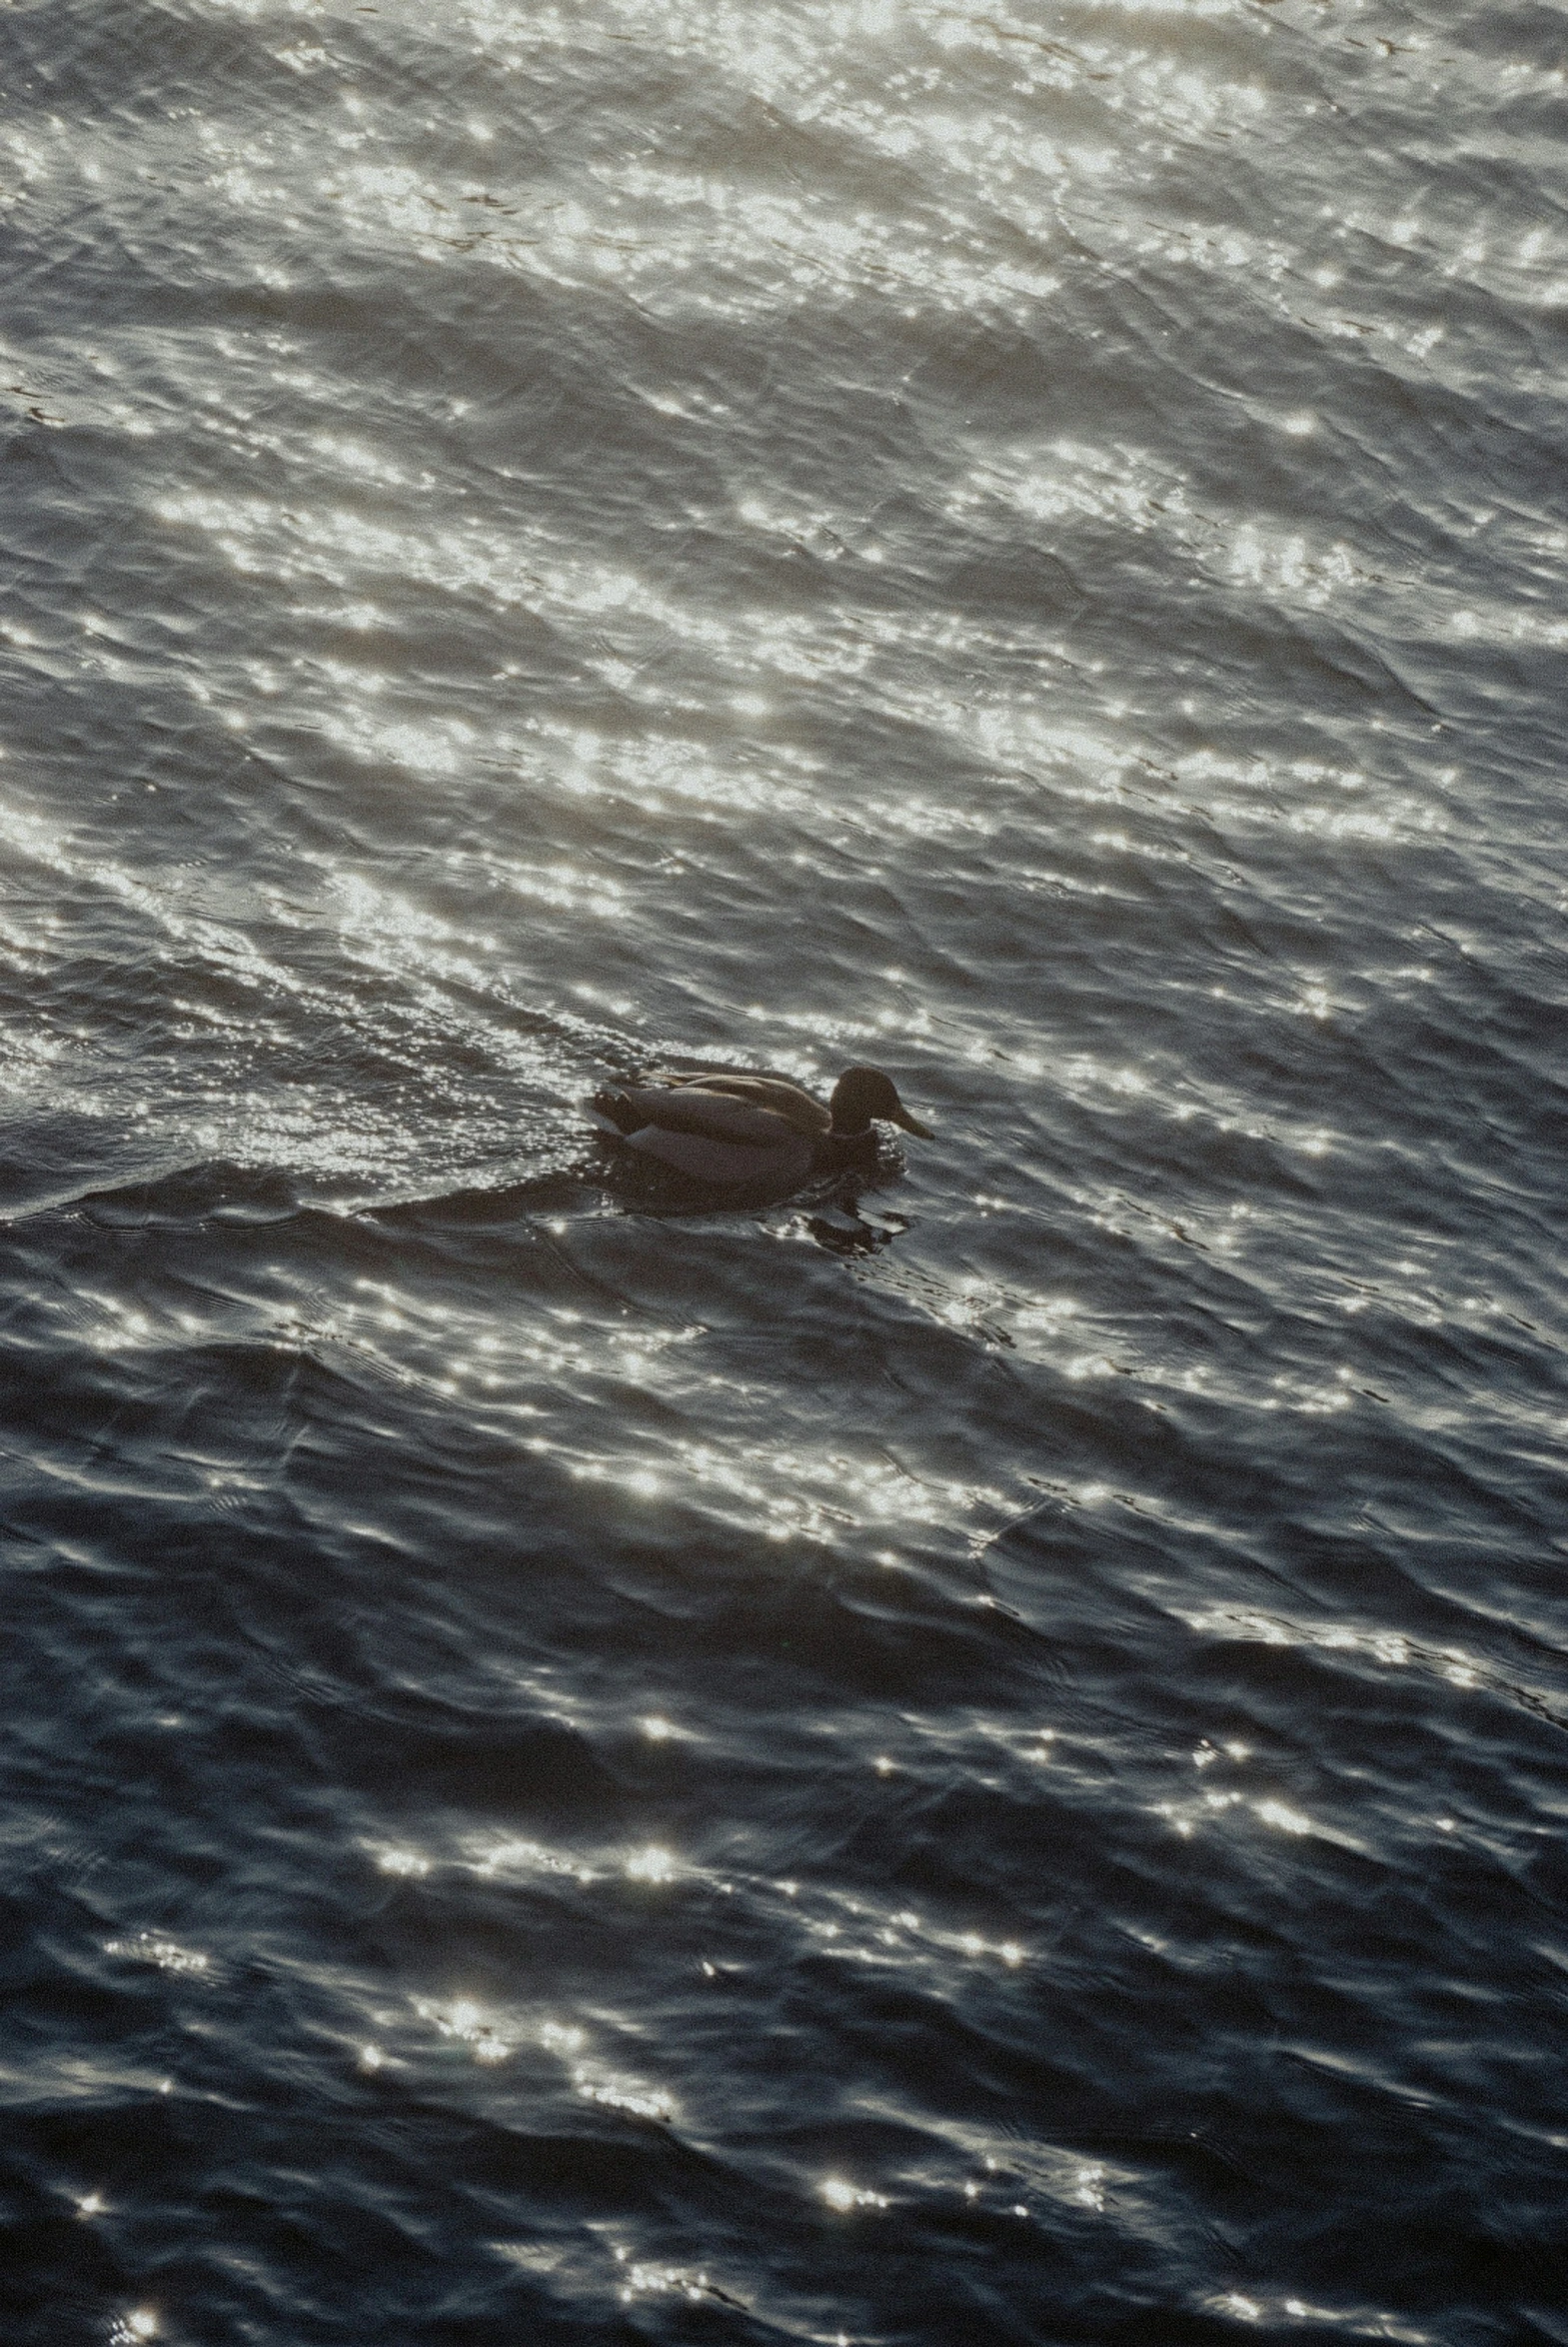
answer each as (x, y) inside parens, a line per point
(851, 1147)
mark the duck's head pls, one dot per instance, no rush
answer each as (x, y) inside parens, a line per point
(863, 1092)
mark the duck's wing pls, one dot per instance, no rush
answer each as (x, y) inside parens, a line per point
(714, 1164)
(775, 1094)
(694, 1108)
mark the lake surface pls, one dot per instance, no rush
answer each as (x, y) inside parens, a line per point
(982, 1761)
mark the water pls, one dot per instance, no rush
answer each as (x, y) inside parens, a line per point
(985, 1765)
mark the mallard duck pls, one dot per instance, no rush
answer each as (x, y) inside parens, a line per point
(751, 1133)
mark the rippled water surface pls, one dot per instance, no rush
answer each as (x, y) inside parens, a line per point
(977, 1762)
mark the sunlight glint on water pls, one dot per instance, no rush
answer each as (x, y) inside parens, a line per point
(970, 1759)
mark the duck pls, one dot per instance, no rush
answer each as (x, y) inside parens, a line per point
(751, 1133)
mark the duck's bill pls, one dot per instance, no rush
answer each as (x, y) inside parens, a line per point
(901, 1115)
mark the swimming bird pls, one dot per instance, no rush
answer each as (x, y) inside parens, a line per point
(753, 1132)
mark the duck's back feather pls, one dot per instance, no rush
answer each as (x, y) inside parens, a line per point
(773, 1093)
(692, 1108)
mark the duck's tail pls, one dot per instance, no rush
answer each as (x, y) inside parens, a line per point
(611, 1112)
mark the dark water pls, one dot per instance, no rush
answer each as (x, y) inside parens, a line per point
(986, 1767)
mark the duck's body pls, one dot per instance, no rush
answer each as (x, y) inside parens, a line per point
(752, 1133)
